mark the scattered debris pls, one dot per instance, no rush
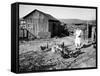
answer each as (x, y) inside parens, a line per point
(57, 56)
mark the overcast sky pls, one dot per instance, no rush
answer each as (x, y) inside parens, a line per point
(60, 12)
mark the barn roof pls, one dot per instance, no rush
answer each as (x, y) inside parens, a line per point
(50, 17)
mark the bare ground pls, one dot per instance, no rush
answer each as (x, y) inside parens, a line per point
(32, 58)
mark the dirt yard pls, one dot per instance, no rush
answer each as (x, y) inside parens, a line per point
(32, 58)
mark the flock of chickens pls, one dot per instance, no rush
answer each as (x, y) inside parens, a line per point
(62, 49)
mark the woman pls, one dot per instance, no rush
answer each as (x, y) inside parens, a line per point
(78, 34)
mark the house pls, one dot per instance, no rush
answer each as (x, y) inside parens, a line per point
(41, 25)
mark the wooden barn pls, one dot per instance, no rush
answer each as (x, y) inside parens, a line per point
(40, 25)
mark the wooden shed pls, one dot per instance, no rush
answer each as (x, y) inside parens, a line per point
(91, 31)
(41, 25)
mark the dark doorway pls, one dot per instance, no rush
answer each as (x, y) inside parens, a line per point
(89, 31)
(52, 28)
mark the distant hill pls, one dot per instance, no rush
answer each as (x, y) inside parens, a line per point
(70, 21)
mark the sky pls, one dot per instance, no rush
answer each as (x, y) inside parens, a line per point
(60, 12)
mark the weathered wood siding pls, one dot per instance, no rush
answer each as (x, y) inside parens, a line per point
(36, 23)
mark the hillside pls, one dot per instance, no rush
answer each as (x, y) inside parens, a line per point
(70, 21)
